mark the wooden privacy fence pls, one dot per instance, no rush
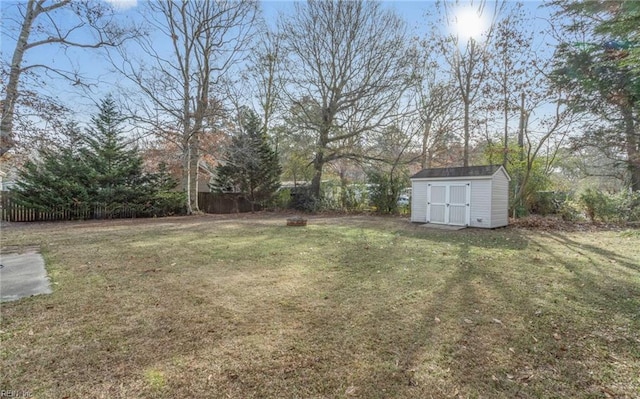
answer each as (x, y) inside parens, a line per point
(224, 203)
(11, 211)
(208, 202)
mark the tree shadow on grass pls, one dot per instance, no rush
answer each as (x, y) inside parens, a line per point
(490, 332)
(372, 313)
(580, 248)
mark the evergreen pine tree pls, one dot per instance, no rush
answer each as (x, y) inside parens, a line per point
(250, 164)
(96, 171)
(58, 181)
(117, 176)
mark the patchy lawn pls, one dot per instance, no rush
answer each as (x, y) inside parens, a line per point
(345, 307)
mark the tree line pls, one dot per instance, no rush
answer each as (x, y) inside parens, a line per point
(345, 88)
(96, 169)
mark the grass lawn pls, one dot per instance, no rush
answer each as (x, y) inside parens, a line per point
(213, 307)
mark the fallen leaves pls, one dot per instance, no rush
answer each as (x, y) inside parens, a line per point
(550, 223)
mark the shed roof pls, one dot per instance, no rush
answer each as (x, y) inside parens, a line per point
(465, 171)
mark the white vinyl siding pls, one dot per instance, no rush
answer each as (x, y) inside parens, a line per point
(487, 196)
(419, 201)
(500, 200)
(481, 203)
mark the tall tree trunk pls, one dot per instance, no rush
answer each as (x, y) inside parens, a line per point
(466, 134)
(11, 90)
(194, 158)
(318, 164)
(318, 160)
(505, 150)
(343, 189)
(252, 199)
(425, 139)
(186, 174)
(522, 127)
(632, 150)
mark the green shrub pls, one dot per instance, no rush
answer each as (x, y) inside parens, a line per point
(630, 205)
(352, 198)
(166, 203)
(595, 204)
(330, 196)
(548, 202)
(282, 199)
(570, 211)
(302, 199)
(611, 208)
(385, 190)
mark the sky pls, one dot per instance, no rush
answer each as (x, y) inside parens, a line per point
(96, 69)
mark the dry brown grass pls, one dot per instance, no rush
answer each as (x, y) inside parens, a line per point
(345, 307)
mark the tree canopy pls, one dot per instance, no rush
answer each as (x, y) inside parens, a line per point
(250, 166)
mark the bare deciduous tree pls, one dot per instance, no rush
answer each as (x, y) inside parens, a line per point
(348, 58)
(513, 68)
(467, 56)
(40, 23)
(265, 69)
(205, 39)
(435, 100)
(544, 136)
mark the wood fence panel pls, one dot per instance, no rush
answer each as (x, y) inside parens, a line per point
(12, 212)
(219, 203)
(223, 203)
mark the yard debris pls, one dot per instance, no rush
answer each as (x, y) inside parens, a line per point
(468, 321)
(437, 320)
(152, 270)
(497, 321)
(526, 377)
(554, 223)
(296, 221)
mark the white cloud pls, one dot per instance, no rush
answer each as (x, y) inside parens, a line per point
(122, 5)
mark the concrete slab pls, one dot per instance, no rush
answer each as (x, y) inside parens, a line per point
(436, 226)
(22, 275)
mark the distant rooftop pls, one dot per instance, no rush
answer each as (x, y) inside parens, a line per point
(473, 171)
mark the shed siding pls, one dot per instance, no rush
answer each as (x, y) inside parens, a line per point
(488, 196)
(481, 203)
(500, 200)
(419, 201)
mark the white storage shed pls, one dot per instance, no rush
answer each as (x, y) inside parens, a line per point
(476, 196)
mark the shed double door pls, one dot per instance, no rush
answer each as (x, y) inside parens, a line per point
(449, 203)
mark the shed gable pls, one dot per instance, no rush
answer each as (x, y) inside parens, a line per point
(488, 195)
